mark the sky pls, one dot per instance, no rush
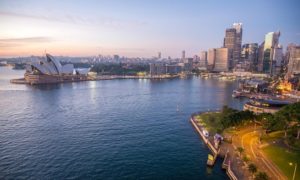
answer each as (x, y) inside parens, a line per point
(138, 28)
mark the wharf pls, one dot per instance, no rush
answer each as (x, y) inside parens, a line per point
(221, 152)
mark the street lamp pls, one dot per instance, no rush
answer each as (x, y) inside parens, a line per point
(294, 174)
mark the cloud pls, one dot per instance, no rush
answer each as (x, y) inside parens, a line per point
(109, 22)
(14, 42)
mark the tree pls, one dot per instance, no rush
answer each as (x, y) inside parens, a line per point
(261, 176)
(287, 115)
(252, 168)
(240, 150)
(246, 159)
(265, 119)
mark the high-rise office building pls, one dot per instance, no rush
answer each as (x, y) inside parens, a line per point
(271, 42)
(293, 54)
(249, 55)
(159, 55)
(116, 58)
(203, 58)
(188, 64)
(183, 55)
(196, 58)
(238, 42)
(260, 57)
(278, 56)
(211, 55)
(221, 59)
(277, 60)
(233, 41)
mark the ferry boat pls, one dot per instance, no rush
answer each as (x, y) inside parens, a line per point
(236, 93)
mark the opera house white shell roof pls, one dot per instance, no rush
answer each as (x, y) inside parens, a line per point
(51, 66)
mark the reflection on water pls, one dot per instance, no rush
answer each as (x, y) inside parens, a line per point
(6, 74)
(131, 129)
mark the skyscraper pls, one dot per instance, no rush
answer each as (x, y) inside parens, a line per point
(260, 57)
(221, 59)
(233, 41)
(271, 42)
(278, 56)
(238, 42)
(203, 59)
(159, 55)
(293, 54)
(183, 55)
(249, 55)
(211, 55)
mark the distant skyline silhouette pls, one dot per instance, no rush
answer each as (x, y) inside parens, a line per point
(138, 28)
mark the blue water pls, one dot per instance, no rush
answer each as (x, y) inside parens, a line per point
(117, 129)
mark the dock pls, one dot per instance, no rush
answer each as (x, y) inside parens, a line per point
(215, 152)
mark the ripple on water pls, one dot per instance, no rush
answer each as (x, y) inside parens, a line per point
(127, 129)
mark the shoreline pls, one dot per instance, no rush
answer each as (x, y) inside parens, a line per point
(226, 164)
(245, 137)
(98, 78)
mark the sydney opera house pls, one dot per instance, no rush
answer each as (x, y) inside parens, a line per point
(51, 70)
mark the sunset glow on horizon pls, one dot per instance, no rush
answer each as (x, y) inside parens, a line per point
(136, 28)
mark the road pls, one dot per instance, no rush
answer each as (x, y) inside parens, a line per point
(248, 138)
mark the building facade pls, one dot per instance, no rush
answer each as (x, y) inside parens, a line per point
(271, 42)
(183, 55)
(157, 69)
(203, 59)
(221, 60)
(249, 56)
(233, 41)
(211, 56)
(293, 55)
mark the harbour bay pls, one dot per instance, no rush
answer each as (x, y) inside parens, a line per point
(115, 129)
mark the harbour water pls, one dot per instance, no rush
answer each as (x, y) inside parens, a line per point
(114, 129)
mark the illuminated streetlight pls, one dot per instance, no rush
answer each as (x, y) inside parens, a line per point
(294, 174)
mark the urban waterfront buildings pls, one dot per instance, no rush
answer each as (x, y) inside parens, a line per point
(249, 56)
(203, 59)
(271, 42)
(259, 106)
(218, 59)
(233, 41)
(293, 56)
(159, 69)
(211, 58)
(183, 55)
(221, 59)
(260, 57)
(159, 55)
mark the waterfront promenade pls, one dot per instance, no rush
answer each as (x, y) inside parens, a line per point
(230, 164)
(246, 137)
(97, 78)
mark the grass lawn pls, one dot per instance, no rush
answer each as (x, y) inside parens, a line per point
(211, 121)
(282, 157)
(272, 136)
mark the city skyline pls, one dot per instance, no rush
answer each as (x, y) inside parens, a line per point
(135, 28)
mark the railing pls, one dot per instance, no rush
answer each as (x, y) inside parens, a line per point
(230, 173)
